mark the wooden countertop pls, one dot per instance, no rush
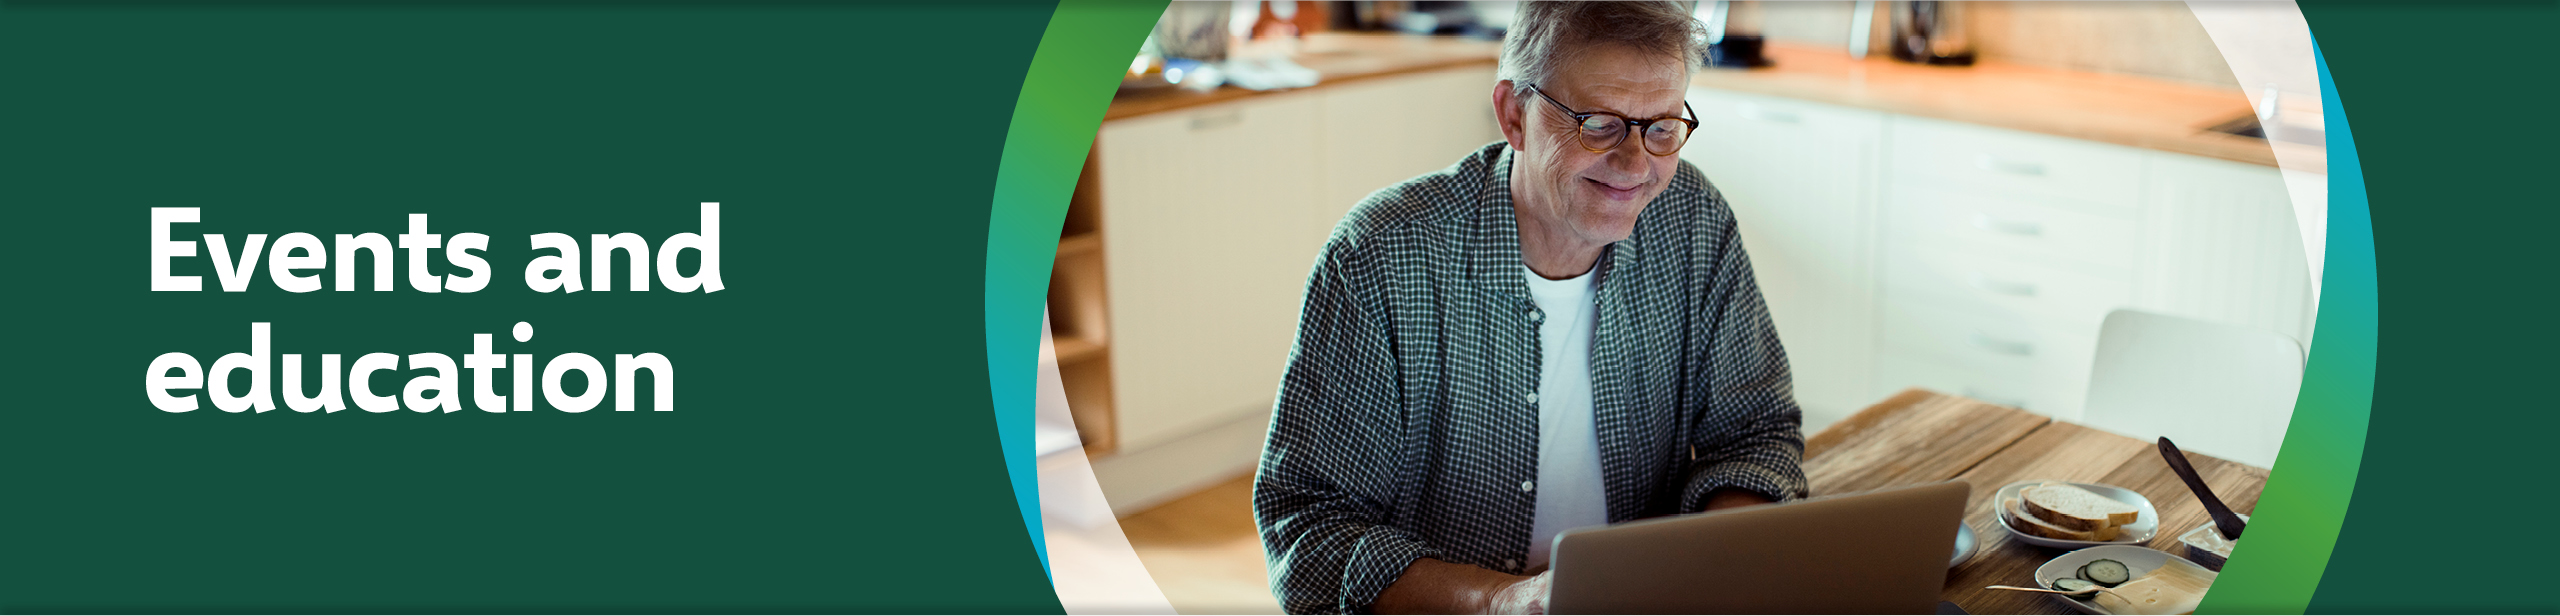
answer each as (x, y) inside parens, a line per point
(1919, 437)
(1341, 57)
(2124, 110)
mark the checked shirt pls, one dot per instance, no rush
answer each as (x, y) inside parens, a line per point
(1407, 421)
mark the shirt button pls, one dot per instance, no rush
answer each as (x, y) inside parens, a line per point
(1526, 486)
(1511, 563)
(1532, 397)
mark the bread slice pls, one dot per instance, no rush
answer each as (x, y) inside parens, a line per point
(2073, 508)
(2018, 519)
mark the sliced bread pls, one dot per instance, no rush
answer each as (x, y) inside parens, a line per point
(2018, 519)
(2072, 508)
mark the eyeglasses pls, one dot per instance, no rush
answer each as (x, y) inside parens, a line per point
(1602, 131)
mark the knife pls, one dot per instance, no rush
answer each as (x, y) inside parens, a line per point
(2223, 519)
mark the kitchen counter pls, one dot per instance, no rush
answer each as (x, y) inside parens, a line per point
(2124, 110)
(1341, 57)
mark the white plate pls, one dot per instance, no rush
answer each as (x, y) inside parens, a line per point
(1965, 542)
(2137, 559)
(2139, 531)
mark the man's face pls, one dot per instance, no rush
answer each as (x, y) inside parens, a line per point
(1569, 192)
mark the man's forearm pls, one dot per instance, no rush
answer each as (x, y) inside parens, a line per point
(1728, 498)
(1433, 586)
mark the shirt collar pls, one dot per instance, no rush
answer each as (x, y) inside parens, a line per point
(1495, 237)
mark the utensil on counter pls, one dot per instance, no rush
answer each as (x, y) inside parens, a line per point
(2093, 590)
(1931, 32)
(2224, 519)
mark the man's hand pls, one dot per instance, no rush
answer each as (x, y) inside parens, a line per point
(1729, 498)
(1527, 596)
(1433, 586)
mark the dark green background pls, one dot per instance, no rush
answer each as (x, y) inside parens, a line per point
(835, 450)
(834, 447)
(2453, 112)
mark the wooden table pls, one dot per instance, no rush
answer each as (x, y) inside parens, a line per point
(1920, 436)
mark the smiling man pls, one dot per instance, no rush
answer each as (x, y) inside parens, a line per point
(1561, 330)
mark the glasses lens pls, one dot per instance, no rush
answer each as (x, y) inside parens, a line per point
(1665, 137)
(1602, 131)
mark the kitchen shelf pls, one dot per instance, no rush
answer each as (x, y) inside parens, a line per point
(1072, 350)
(1079, 320)
(1079, 244)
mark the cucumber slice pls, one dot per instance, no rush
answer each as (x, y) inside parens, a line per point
(2082, 572)
(2073, 584)
(2107, 572)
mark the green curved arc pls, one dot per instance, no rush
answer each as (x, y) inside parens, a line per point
(2305, 503)
(1085, 49)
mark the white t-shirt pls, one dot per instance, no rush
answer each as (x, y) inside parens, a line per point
(1569, 490)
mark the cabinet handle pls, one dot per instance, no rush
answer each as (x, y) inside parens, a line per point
(2021, 228)
(2004, 287)
(1993, 344)
(1991, 163)
(1753, 111)
(1213, 121)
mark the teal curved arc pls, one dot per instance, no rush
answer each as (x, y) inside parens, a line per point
(1082, 53)
(2305, 504)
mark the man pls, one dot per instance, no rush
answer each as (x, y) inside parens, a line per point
(1559, 331)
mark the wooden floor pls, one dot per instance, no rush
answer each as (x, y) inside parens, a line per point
(1203, 552)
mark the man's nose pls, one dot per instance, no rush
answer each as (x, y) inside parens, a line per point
(1630, 158)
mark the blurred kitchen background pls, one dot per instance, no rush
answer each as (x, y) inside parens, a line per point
(1943, 195)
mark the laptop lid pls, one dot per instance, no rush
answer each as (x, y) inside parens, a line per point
(1881, 552)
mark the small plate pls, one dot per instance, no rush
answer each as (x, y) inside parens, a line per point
(2207, 534)
(2139, 531)
(1965, 542)
(2137, 560)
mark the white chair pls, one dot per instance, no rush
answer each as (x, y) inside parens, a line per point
(2221, 390)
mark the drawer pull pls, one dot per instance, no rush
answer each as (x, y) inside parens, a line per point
(1987, 342)
(1754, 111)
(2021, 228)
(2003, 287)
(1992, 163)
(1212, 121)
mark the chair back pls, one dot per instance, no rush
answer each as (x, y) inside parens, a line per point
(2221, 390)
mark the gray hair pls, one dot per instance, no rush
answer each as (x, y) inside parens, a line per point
(1547, 35)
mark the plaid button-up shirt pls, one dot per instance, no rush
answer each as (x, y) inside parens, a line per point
(1407, 422)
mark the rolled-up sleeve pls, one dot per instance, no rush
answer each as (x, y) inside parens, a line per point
(1330, 465)
(1750, 436)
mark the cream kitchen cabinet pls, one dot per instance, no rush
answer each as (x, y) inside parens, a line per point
(2219, 243)
(1211, 217)
(1379, 132)
(1205, 245)
(1900, 251)
(1801, 178)
(2005, 251)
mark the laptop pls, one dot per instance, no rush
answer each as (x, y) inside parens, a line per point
(1881, 552)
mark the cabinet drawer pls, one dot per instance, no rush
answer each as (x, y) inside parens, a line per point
(1729, 120)
(2010, 289)
(2003, 225)
(1978, 158)
(2006, 347)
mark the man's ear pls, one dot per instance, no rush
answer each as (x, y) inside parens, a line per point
(1508, 113)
